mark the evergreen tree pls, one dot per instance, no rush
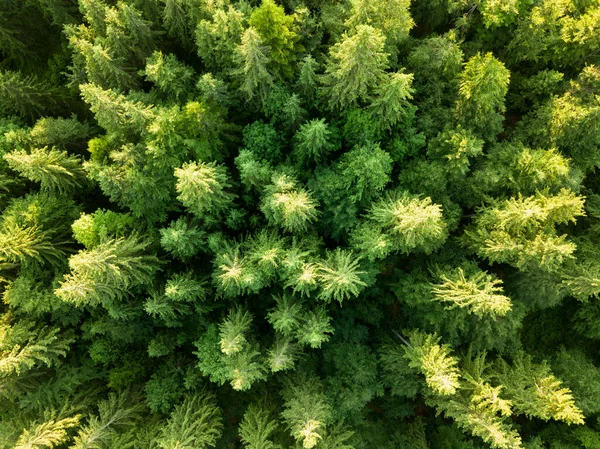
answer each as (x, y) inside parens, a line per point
(401, 223)
(521, 231)
(54, 170)
(252, 58)
(483, 87)
(25, 95)
(356, 65)
(392, 18)
(201, 187)
(195, 423)
(278, 33)
(257, 427)
(306, 411)
(314, 140)
(47, 434)
(391, 105)
(106, 273)
(434, 361)
(288, 206)
(478, 291)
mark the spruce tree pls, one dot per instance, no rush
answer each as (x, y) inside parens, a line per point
(356, 65)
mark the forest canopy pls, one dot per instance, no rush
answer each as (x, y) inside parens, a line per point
(328, 224)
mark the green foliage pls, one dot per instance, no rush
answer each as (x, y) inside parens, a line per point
(252, 59)
(314, 140)
(306, 411)
(355, 67)
(391, 105)
(54, 170)
(195, 423)
(25, 345)
(434, 361)
(92, 229)
(181, 239)
(278, 32)
(478, 291)
(257, 427)
(391, 17)
(47, 434)
(25, 95)
(171, 77)
(340, 276)
(287, 206)
(454, 148)
(535, 391)
(106, 273)
(201, 187)
(350, 224)
(401, 222)
(483, 87)
(116, 414)
(521, 231)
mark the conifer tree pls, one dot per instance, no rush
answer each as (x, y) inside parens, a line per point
(455, 148)
(107, 272)
(25, 345)
(171, 77)
(356, 65)
(483, 87)
(476, 290)
(340, 276)
(47, 434)
(391, 17)
(521, 231)
(434, 361)
(535, 391)
(116, 414)
(401, 223)
(288, 206)
(25, 95)
(195, 424)
(306, 411)
(314, 140)
(257, 428)
(391, 105)
(278, 33)
(55, 170)
(202, 187)
(232, 331)
(182, 239)
(218, 38)
(114, 112)
(314, 328)
(252, 59)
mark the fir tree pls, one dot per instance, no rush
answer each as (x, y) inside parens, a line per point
(257, 427)
(306, 411)
(401, 222)
(47, 434)
(106, 273)
(478, 291)
(252, 58)
(314, 140)
(355, 67)
(201, 187)
(286, 205)
(278, 33)
(340, 276)
(483, 87)
(195, 423)
(434, 361)
(54, 170)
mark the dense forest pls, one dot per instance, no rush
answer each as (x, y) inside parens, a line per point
(272, 224)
